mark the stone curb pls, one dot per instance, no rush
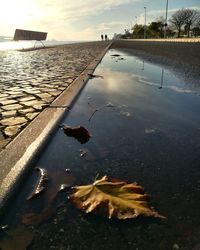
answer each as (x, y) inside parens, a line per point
(17, 158)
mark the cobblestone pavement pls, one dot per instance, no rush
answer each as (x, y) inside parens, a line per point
(30, 81)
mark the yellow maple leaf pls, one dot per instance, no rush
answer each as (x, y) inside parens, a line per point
(116, 199)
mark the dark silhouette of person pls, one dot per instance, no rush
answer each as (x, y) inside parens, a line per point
(106, 38)
(102, 37)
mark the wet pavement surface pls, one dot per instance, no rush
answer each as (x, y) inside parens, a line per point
(31, 80)
(145, 128)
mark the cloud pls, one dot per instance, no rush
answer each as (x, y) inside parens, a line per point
(109, 26)
(60, 15)
(74, 10)
(69, 17)
(89, 33)
(72, 20)
(81, 8)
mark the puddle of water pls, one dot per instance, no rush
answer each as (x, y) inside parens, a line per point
(145, 128)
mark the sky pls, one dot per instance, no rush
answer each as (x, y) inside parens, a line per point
(81, 20)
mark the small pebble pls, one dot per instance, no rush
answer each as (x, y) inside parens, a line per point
(61, 230)
(176, 246)
(82, 152)
(109, 104)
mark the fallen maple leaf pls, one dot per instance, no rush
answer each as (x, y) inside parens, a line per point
(118, 199)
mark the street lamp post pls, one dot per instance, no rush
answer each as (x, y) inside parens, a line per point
(145, 22)
(165, 30)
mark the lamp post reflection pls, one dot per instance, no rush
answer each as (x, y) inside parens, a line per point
(142, 66)
(162, 79)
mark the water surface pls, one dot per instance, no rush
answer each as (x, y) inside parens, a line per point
(147, 130)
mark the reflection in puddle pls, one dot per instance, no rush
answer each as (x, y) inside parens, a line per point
(114, 78)
(174, 88)
(157, 145)
(150, 130)
(142, 66)
(125, 113)
(95, 109)
(162, 77)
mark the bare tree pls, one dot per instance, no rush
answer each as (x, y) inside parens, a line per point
(193, 17)
(178, 19)
(187, 17)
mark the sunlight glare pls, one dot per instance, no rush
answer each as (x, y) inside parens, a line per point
(16, 12)
(15, 45)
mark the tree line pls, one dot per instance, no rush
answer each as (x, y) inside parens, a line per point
(183, 23)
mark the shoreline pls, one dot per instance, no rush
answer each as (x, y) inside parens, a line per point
(12, 45)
